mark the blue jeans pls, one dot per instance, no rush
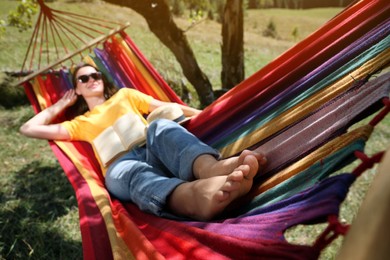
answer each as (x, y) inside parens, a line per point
(147, 175)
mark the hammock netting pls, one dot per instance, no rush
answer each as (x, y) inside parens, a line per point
(297, 110)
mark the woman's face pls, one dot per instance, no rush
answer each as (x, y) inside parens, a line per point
(89, 82)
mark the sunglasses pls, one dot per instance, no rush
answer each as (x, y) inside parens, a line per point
(85, 78)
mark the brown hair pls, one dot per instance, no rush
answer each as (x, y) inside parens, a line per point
(80, 107)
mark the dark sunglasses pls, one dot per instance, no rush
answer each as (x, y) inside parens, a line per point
(85, 78)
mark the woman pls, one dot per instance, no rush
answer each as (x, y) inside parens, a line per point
(174, 173)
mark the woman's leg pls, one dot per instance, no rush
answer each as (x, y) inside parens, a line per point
(203, 199)
(172, 146)
(131, 179)
(211, 185)
(175, 148)
(139, 176)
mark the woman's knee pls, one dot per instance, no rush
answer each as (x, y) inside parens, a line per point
(161, 124)
(117, 188)
(159, 128)
(120, 178)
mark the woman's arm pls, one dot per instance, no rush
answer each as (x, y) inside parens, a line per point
(187, 111)
(40, 125)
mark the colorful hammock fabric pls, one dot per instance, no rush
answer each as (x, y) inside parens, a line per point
(296, 110)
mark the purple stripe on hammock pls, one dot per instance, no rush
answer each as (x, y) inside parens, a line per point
(269, 223)
(335, 62)
(322, 125)
(112, 67)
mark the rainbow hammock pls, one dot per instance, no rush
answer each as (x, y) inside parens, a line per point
(297, 110)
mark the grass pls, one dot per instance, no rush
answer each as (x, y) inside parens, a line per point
(38, 209)
(38, 213)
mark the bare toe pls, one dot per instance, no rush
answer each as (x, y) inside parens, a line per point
(253, 164)
(221, 196)
(242, 156)
(231, 186)
(239, 174)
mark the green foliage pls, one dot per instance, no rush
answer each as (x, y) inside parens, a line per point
(23, 15)
(197, 4)
(295, 33)
(198, 9)
(217, 7)
(270, 31)
(11, 95)
(195, 7)
(196, 15)
(38, 208)
(177, 7)
(2, 27)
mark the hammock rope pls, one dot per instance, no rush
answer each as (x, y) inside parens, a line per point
(56, 31)
(334, 229)
(367, 162)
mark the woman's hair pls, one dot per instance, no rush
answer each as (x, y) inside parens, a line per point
(80, 107)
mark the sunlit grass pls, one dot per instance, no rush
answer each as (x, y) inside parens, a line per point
(38, 212)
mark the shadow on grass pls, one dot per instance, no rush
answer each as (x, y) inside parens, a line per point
(33, 215)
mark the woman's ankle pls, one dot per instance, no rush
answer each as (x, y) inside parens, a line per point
(202, 165)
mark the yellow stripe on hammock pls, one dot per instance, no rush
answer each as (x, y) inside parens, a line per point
(305, 107)
(39, 92)
(327, 149)
(87, 59)
(100, 195)
(141, 68)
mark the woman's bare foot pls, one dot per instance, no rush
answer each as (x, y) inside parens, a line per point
(203, 199)
(206, 166)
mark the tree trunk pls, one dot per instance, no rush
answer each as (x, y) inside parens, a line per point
(232, 44)
(160, 21)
